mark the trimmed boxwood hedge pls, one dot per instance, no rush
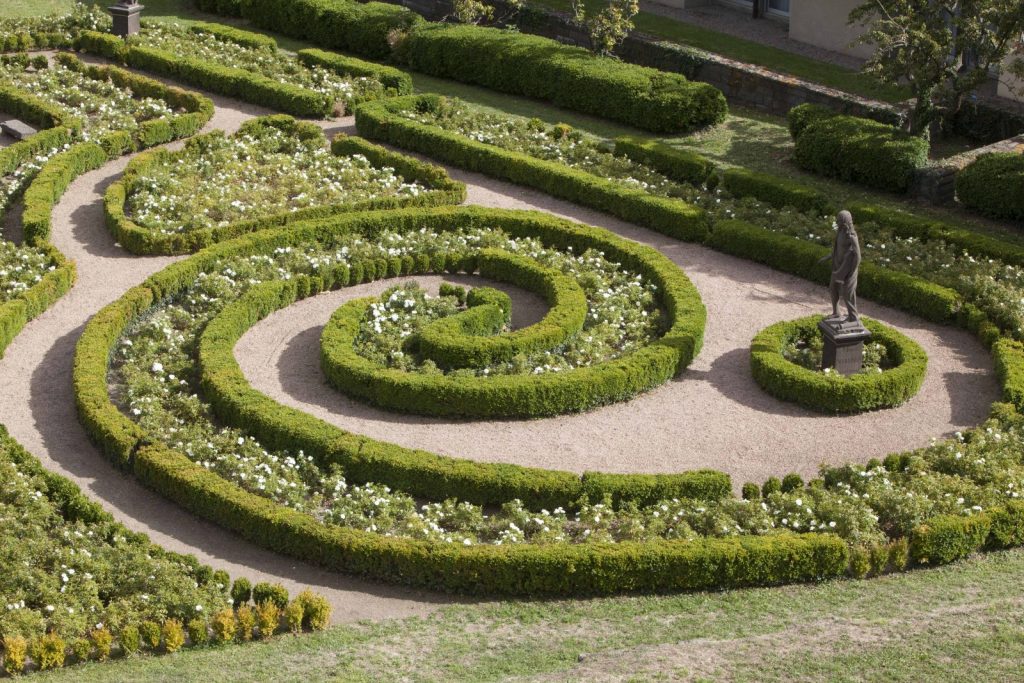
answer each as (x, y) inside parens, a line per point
(141, 240)
(833, 393)
(397, 81)
(380, 121)
(993, 185)
(858, 150)
(678, 164)
(468, 339)
(567, 76)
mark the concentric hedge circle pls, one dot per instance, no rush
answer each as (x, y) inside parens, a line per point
(506, 396)
(833, 393)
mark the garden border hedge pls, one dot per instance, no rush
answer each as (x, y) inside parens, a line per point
(993, 185)
(507, 396)
(673, 217)
(833, 393)
(141, 240)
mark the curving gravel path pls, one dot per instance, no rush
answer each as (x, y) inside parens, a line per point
(712, 416)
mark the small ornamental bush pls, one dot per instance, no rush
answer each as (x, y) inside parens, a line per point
(224, 626)
(15, 650)
(103, 640)
(149, 633)
(792, 482)
(81, 648)
(48, 651)
(173, 635)
(268, 618)
(130, 640)
(246, 620)
(241, 591)
(993, 185)
(293, 613)
(197, 630)
(316, 610)
(264, 592)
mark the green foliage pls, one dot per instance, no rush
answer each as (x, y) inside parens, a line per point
(197, 630)
(857, 150)
(380, 121)
(1009, 366)
(144, 238)
(150, 634)
(397, 82)
(81, 648)
(993, 185)
(566, 76)
(241, 591)
(776, 191)
(751, 491)
(48, 651)
(365, 29)
(268, 618)
(103, 44)
(130, 640)
(792, 482)
(678, 164)
(15, 653)
(102, 640)
(224, 627)
(832, 393)
(293, 616)
(173, 634)
(270, 592)
(948, 538)
(234, 35)
(246, 621)
(316, 610)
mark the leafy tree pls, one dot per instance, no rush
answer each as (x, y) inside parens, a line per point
(479, 12)
(943, 49)
(609, 27)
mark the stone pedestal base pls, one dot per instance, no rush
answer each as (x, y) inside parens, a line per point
(126, 19)
(844, 345)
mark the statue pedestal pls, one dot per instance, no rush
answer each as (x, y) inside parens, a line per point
(126, 19)
(844, 345)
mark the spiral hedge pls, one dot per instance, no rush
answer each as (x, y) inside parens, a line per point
(141, 240)
(515, 396)
(833, 393)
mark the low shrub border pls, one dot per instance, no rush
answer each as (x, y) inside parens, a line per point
(993, 185)
(833, 393)
(673, 217)
(506, 396)
(858, 150)
(398, 81)
(141, 240)
(564, 75)
(364, 459)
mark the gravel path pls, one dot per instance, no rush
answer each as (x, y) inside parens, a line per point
(712, 416)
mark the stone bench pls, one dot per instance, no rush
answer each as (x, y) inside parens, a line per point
(19, 130)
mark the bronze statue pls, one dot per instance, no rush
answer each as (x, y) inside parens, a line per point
(845, 263)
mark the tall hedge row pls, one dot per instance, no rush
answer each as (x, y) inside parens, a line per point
(993, 185)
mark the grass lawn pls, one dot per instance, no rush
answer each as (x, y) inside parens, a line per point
(956, 623)
(750, 52)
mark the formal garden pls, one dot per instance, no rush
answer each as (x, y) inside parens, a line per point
(331, 348)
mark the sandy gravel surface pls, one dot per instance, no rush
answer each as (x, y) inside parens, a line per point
(712, 416)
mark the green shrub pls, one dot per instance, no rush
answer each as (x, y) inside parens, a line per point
(948, 538)
(751, 491)
(792, 482)
(241, 591)
(103, 44)
(149, 632)
(1009, 366)
(771, 485)
(173, 635)
(103, 640)
(673, 217)
(245, 618)
(130, 639)
(316, 610)
(15, 652)
(268, 618)
(566, 76)
(832, 393)
(776, 191)
(235, 35)
(993, 185)
(81, 648)
(1007, 529)
(293, 616)
(803, 115)
(677, 164)
(48, 651)
(858, 150)
(224, 626)
(395, 80)
(266, 592)
(860, 562)
(197, 630)
(361, 28)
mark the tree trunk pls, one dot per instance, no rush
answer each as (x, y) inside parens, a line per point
(923, 114)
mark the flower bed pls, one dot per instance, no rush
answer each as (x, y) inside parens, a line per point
(51, 31)
(275, 170)
(930, 506)
(893, 370)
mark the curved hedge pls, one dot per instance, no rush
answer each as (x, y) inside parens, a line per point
(857, 150)
(380, 121)
(993, 185)
(833, 393)
(141, 240)
(509, 396)
(458, 341)
(564, 75)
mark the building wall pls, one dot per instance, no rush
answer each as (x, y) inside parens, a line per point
(823, 23)
(1005, 81)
